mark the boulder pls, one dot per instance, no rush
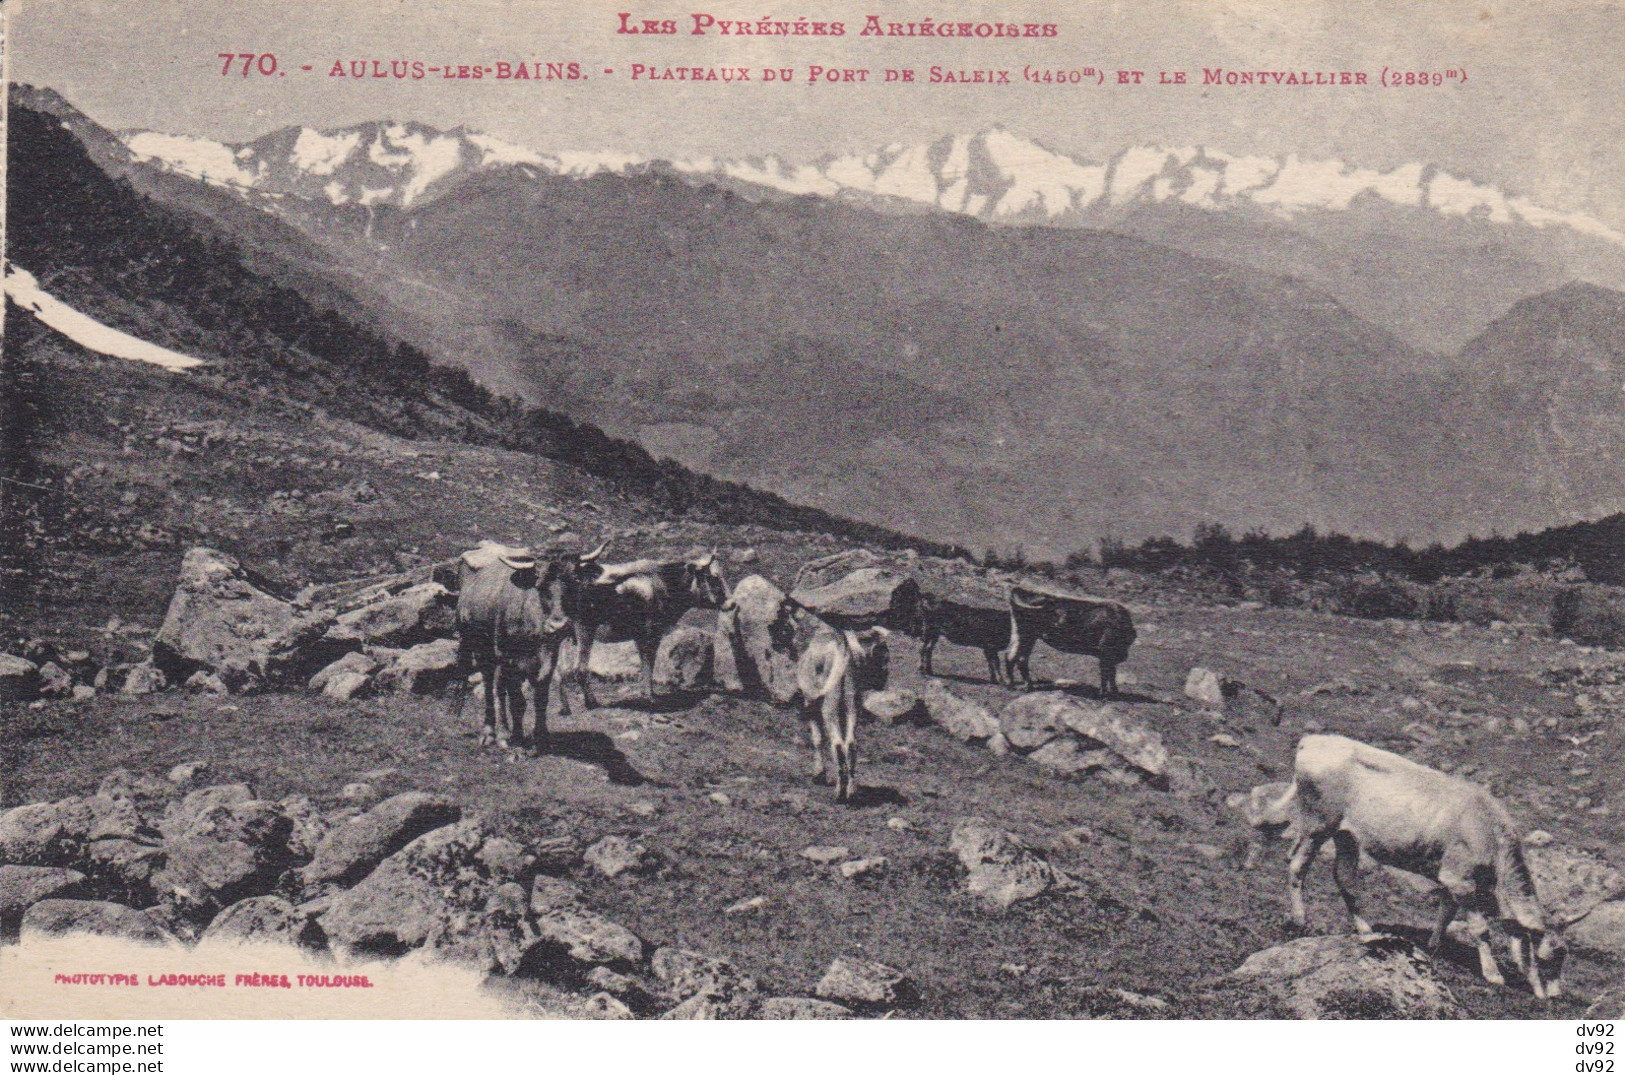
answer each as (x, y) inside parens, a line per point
(45, 834)
(1001, 868)
(556, 854)
(863, 983)
(864, 598)
(574, 939)
(434, 894)
(23, 886)
(966, 721)
(1570, 882)
(683, 974)
(220, 621)
(350, 851)
(604, 1006)
(202, 680)
(181, 816)
(760, 637)
(1029, 721)
(1109, 726)
(358, 662)
(553, 893)
(19, 679)
(50, 919)
(684, 661)
(346, 686)
(1204, 685)
(1343, 977)
(616, 855)
(1602, 930)
(186, 772)
(218, 851)
(894, 707)
(801, 1008)
(1072, 757)
(309, 826)
(144, 678)
(417, 614)
(612, 661)
(423, 669)
(261, 920)
(54, 681)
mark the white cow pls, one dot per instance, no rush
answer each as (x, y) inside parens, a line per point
(833, 673)
(1420, 820)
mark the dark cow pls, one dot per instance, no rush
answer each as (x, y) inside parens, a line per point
(964, 625)
(1100, 629)
(510, 622)
(640, 602)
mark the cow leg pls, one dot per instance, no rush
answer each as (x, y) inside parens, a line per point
(459, 686)
(992, 656)
(550, 651)
(1479, 928)
(504, 718)
(837, 745)
(647, 651)
(1303, 856)
(815, 732)
(584, 640)
(848, 717)
(928, 645)
(1448, 906)
(541, 686)
(1108, 678)
(1346, 872)
(488, 686)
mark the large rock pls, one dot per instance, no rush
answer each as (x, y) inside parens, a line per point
(440, 893)
(965, 720)
(1031, 720)
(351, 851)
(893, 706)
(423, 669)
(1110, 727)
(19, 679)
(1001, 869)
(23, 886)
(611, 661)
(685, 660)
(761, 640)
(616, 855)
(1570, 882)
(802, 1008)
(863, 598)
(684, 974)
(45, 834)
(218, 851)
(346, 686)
(261, 920)
(220, 621)
(50, 919)
(54, 681)
(357, 662)
(574, 939)
(863, 983)
(1602, 930)
(1204, 685)
(144, 678)
(417, 614)
(1343, 977)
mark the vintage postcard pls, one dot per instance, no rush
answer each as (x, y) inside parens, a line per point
(526, 509)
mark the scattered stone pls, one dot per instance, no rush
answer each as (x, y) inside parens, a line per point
(417, 614)
(616, 662)
(309, 827)
(62, 918)
(347, 686)
(571, 937)
(557, 854)
(1110, 727)
(19, 679)
(1345, 977)
(616, 855)
(863, 983)
(899, 824)
(144, 678)
(857, 868)
(23, 886)
(686, 974)
(350, 851)
(552, 893)
(894, 706)
(1204, 685)
(964, 720)
(1002, 869)
(1224, 740)
(1609, 1004)
(721, 798)
(604, 1006)
(801, 1008)
(746, 906)
(54, 681)
(1031, 720)
(186, 772)
(82, 693)
(206, 681)
(823, 854)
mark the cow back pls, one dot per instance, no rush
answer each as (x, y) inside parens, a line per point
(1082, 625)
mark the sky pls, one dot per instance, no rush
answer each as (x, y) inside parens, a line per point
(1541, 112)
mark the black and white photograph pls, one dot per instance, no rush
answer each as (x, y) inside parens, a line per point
(527, 510)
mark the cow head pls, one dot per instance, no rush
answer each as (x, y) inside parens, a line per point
(585, 566)
(871, 657)
(706, 586)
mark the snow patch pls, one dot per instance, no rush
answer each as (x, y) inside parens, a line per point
(200, 158)
(496, 151)
(320, 154)
(86, 331)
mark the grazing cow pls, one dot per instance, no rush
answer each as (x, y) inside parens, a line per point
(510, 622)
(963, 625)
(641, 602)
(1416, 819)
(1100, 629)
(834, 672)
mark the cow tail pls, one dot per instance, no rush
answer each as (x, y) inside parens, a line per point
(1515, 885)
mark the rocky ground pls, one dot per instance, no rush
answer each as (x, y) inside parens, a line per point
(1054, 857)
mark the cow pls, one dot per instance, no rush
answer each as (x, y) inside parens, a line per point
(1416, 819)
(963, 625)
(1100, 629)
(510, 622)
(640, 601)
(837, 668)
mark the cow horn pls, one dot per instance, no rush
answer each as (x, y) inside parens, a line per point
(705, 561)
(588, 558)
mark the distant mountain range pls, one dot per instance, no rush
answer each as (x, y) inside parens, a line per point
(977, 340)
